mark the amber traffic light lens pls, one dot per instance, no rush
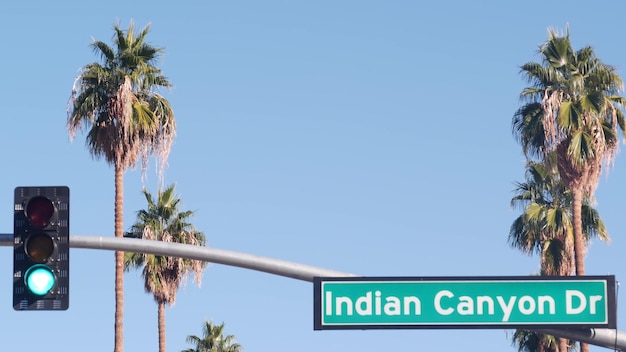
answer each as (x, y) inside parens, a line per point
(39, 210)
(39, 247)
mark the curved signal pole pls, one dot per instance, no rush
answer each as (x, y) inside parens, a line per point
(208, 254)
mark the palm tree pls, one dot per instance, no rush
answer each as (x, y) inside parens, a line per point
(572, 108)
(545, 227)
(529, 341)
(125, 120)
(213, 340)
(164, 221)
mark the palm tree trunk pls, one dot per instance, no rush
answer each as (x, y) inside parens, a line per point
(562, 344)
(161, 323)
(584, 347)
(579, 240)
(119, 260)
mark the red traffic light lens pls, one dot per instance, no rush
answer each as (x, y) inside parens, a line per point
(39, 210)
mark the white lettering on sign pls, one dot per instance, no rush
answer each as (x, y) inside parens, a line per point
(368, 305)
(506, 307)
(375, 303)
(581, 301)
(391, 303)
(549, 301)
(481, 301)
(438, 297)
(526, 305)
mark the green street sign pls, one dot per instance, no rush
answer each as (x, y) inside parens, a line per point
(470, 302)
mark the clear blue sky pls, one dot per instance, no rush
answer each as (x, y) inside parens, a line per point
(371, 137)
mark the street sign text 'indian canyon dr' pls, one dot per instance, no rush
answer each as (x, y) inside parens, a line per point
(464, 302)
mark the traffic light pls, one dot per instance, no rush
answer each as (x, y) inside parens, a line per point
(41, 247)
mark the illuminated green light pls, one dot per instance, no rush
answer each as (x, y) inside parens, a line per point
(39, 280)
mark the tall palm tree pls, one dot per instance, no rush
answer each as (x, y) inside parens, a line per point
(125, 119)
(545, 227)
(213, 340)
(572, 108)
(164, 221)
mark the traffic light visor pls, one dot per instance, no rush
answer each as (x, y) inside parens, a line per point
(39, 210)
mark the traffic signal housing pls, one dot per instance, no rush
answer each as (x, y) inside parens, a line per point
(41, 247)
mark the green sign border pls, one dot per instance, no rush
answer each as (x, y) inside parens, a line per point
(318, 323)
